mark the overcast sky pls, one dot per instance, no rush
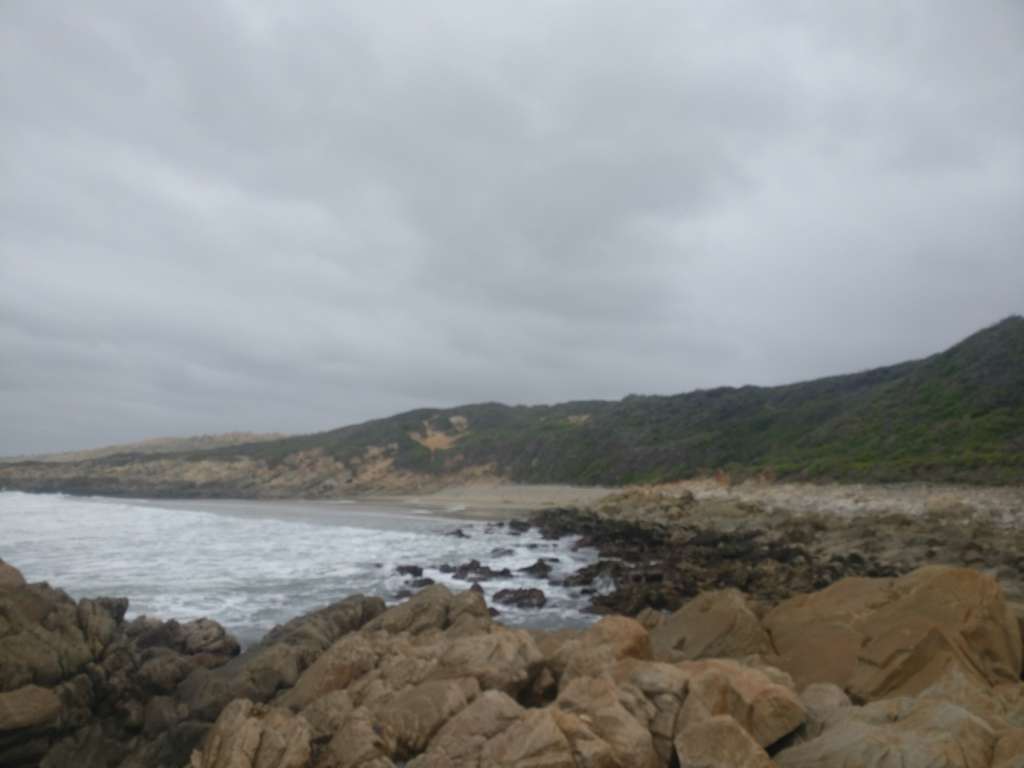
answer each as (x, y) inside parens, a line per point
(255, 215)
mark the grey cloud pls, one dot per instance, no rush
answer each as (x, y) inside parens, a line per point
(253, 215)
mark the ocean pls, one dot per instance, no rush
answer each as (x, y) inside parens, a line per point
(253, 564)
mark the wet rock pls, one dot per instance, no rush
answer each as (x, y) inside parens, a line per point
(474, 570)
(521, 598)
(409, 570)
(458, 533)
(540, 569)
(426, 581)
(502, 552)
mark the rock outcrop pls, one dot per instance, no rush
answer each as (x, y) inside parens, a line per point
(435, 682)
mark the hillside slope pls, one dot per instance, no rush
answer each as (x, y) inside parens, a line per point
(954, 416)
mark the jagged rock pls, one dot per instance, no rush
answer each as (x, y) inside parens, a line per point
(412, 716)
(459, 742)
(521, 598)
(899, 732)
(712, 625)
(427, 610)
(571, 654)
(328, 713)
(533, 741)
(278, 660)
(359, 744)
(540, 569)
(821, 701)
(719, 742)
(409, 570)
(884, 637)
(248, 735)
(596, 701)
(765, 709)
(665, 687)
(505, 659)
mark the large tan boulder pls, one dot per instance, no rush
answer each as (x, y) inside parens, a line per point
(328, 714)
(505, 659)
(719, 742)
(412, 716)
(714, 625)
(248, 735)
(533, 741)
(347, 660)
(1009, 751)
(596, 702)
(28, 707)
(460, 741)
(611, 639)
(885, 637)
(10, 577)
(897, 732)
(360, 743)
(664, 686)
(427, 609)
(765, 709)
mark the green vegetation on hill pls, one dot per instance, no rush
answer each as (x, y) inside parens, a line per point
(958, 415)
(955, 416)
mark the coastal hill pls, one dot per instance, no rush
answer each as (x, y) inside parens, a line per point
(954, 416)
(155, 445)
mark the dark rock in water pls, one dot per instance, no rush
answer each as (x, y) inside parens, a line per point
(474, 570)
(458, 533)
(492, 611)
(517, 527)
(475, 587)
(402, 594)
(426, 581)
(502, 552)
(409, 570)
(540, 569)
(521, 598)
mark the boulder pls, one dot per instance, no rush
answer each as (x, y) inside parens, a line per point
(611, 639)
(897, 732)
(596, 702)
(821, 702)
(412, 716)
(428, 609)
(712, 625)
(533, 741)
(664, 686)
(505, 659)
(886, 637)
(248, 735)
(327, 714)
(28, 707)
(719, 742)
(277, 661)
(360, 743)
(459, 742)
(521, 598)
(10, 577)
(765, 709)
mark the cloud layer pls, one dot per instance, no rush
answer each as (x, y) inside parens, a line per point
(255, 215)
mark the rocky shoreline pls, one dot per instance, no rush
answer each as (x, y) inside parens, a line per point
(872, 664)
(658, 550)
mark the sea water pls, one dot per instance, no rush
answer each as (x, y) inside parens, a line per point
(251, 565)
